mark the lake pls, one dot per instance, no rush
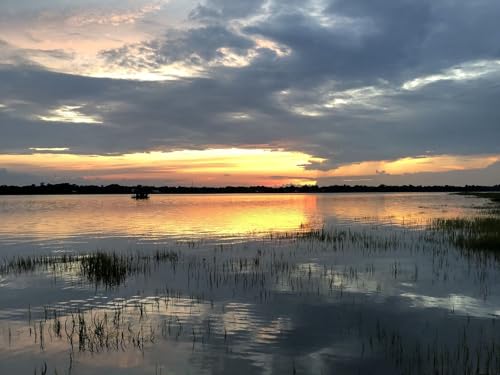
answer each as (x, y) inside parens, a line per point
(250, 283)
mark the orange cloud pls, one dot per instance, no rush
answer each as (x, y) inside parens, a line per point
(211, 167)
(232, 166)
(410, 165)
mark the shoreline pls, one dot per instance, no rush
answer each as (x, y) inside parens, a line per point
(71, 189)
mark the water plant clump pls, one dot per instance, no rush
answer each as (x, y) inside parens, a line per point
(101, 268)
(479, 233)
(108, 269)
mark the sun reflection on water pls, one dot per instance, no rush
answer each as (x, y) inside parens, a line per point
(72, 221)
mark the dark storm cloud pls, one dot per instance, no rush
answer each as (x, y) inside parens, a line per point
(285, 100)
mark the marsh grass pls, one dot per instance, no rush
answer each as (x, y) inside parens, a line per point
(109, 269)
(280, 265)
(480, 233)
(477, 233)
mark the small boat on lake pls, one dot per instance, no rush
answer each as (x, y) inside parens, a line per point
(140, 193)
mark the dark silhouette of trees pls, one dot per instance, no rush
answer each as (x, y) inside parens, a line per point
(66, 188)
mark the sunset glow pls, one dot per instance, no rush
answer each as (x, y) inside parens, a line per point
(234, 166)
(410, 165)
(225, 166)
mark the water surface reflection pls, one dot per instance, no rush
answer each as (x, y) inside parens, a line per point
(381, 295)
(58, 222)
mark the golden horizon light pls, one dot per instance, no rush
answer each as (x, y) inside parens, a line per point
(230, 166)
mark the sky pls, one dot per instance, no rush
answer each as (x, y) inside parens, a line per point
(250, 92)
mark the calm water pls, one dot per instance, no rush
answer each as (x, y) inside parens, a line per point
(91, 222)
(385, 296)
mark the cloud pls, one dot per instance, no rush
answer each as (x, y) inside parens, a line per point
(112, 16)
(69, 113)
(49, 149)
(237, 166)
(486, 176)
(216, 10)
(15, 178)
(466, 72)
(191, 52)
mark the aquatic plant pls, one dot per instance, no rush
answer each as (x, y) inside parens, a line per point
(101, 268)
(479, 233)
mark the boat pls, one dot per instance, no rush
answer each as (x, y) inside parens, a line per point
(140, 193)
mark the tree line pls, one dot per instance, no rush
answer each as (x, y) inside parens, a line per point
(67, 188)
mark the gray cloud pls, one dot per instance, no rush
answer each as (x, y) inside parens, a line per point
(193, 46)
(8, 177)
(216, 10)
